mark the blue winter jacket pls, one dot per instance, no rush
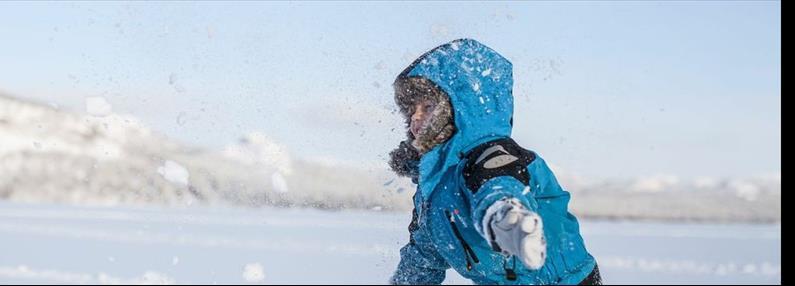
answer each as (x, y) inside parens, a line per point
(454, 192)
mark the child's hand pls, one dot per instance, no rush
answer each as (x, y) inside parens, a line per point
(517, 231)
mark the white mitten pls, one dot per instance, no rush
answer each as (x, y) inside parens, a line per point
(516, 231)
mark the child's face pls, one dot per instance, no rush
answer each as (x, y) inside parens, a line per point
(422, 113)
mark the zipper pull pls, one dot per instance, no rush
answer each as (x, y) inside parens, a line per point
(510, 273)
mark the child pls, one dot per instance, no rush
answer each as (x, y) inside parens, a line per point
(483, 202)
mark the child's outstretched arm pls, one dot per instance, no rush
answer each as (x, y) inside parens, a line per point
(504, 209)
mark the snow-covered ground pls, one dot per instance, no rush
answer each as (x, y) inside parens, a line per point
(45, 243)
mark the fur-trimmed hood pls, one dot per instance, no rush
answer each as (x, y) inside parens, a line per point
(438, 128)
(478, 82)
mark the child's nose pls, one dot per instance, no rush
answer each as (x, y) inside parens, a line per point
(416, 116)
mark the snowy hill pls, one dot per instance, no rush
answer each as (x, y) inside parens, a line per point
(51, 155)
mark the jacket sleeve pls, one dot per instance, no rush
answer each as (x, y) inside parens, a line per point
(420, 263)
(506, 174)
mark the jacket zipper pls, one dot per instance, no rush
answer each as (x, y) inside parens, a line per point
(468, 252)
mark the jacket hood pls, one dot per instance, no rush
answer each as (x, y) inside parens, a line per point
(479, 83)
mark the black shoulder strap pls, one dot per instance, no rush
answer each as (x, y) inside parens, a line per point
(501, 157)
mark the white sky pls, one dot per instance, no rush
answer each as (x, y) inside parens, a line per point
(603, 89)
